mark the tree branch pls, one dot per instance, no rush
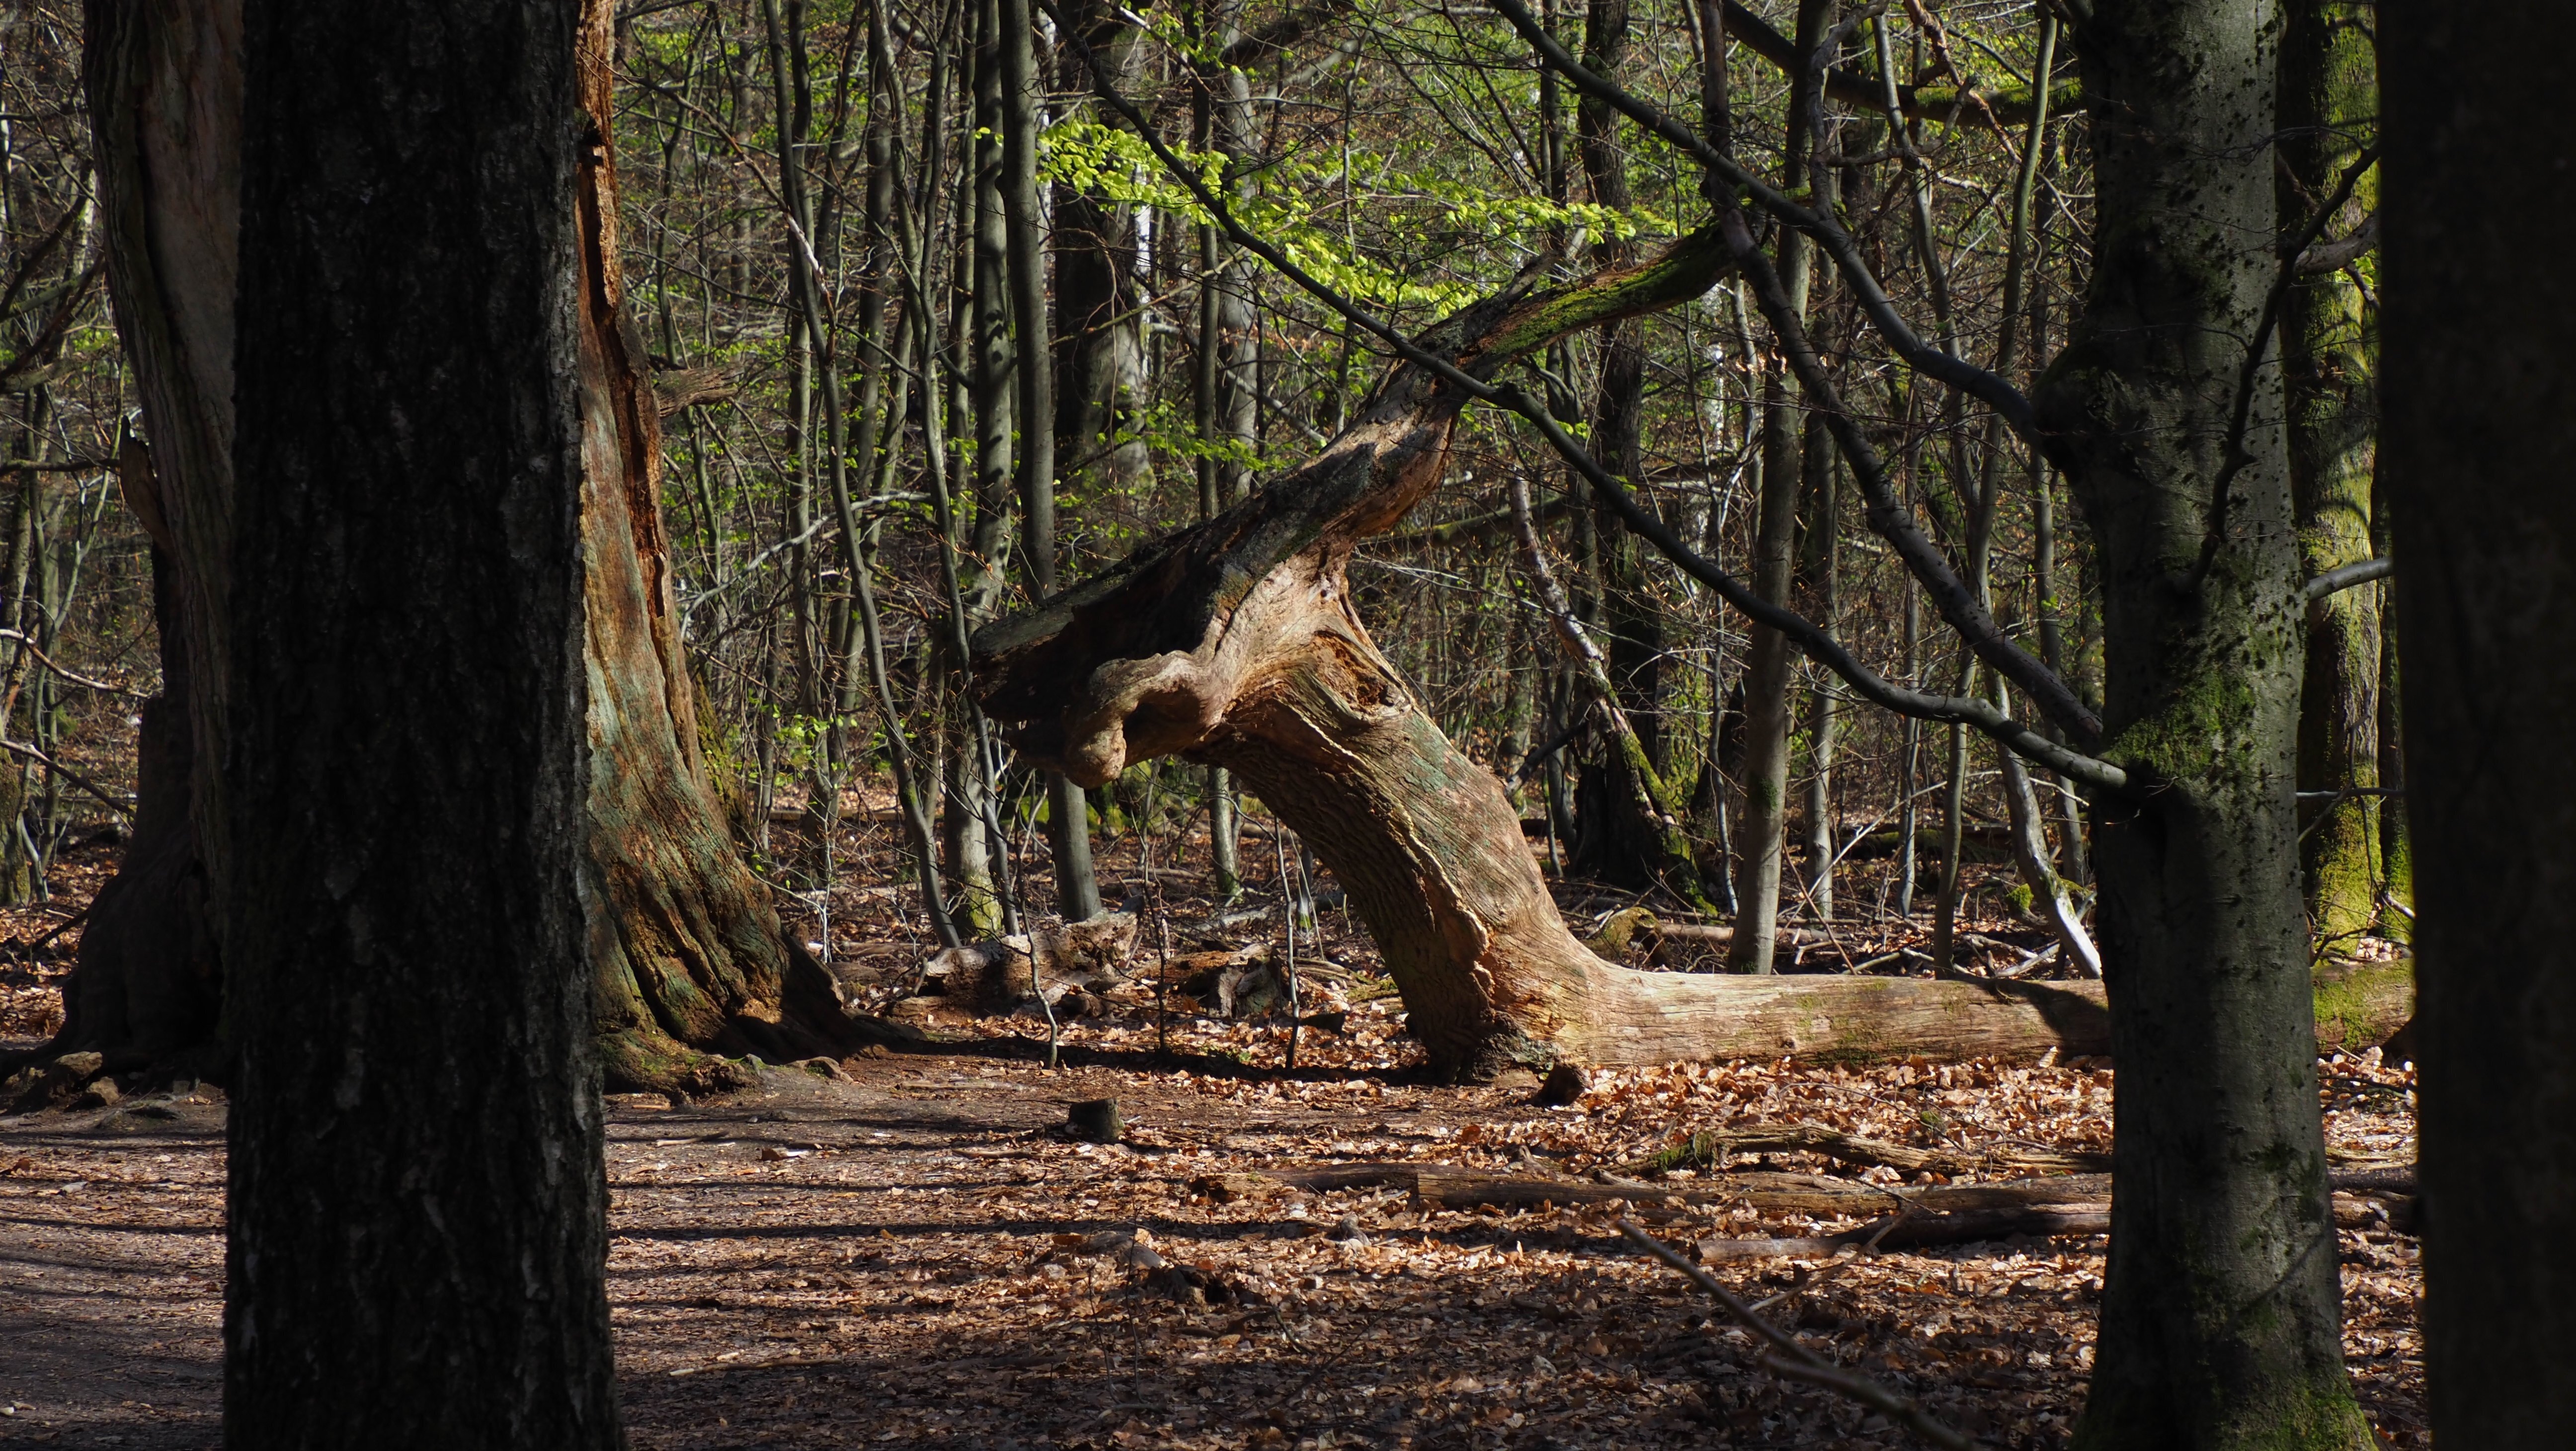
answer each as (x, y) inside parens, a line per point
(1810, 639)
(1888, 514)
(51, 664)
(1796, 1361)
(2334, 581)
(2342, 251)
(1689, 261)
(1988, 388)
(37, 755)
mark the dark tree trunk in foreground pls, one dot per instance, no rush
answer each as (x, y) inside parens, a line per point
(417, 1209)
(2220, 1312)
(690, 958)
(2481, 408)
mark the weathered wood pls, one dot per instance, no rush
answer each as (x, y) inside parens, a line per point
(1811, 1194)
(1920, 1231)
(1709, 1149)
(691, 958)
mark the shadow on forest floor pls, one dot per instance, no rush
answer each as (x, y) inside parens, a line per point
(912, 1258)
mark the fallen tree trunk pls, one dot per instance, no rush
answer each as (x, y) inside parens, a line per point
(1448, 1186)
(2037, 1221)
(2361, 1005)
(1765, 1193)
(1237, 643)
(1709, 1149)
(1920, 1231)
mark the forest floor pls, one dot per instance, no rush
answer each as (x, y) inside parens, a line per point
(913, 1253)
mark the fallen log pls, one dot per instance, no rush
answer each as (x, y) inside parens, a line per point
(2361, 1005)
(1678, 1017)
(1768, 1193)
(1709, 1148)
(1912, 1215)
(1921, 1231)
(1453, 1187)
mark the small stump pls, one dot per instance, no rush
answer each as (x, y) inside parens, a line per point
(1095, 1121)
(1564, 1086)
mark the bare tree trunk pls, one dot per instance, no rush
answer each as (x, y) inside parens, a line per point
(2220, 1314)
(1630, 846)
(1101, 389)
(688, 952)
(404, 919)
(1824, 580)
(1760, 833)
(2481, 421)
(2329, 103)
(1077, 895)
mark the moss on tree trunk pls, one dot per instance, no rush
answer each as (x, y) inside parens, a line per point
(2220, 1313)
(2329, 347)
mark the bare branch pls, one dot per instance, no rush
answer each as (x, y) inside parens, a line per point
(1888, 514)
(2334, 581)
(113, 803)
(1796, 1361)
(2342, 251)
(77, 679)
(1949, 105)
(1988, 388)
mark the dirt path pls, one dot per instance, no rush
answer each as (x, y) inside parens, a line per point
(910, 1258)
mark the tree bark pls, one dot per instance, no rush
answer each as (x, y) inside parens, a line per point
(1767, 665)
(2329, 107)
(689, 955)
(417, 1248)
(2220, 1311)
(2481, 421)
(1077, 895)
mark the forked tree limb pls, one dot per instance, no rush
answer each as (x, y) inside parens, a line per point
(1810, 640)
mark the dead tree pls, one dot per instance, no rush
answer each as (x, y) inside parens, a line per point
(690, 957)
(1236, 643)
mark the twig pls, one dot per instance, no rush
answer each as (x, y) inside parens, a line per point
(84, 681)
(21, 748)
(66, 925)
(1796, 1361)
(1867, 1248)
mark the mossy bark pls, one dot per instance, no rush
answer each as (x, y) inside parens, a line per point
(2329, 110)
(2220, 1314)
